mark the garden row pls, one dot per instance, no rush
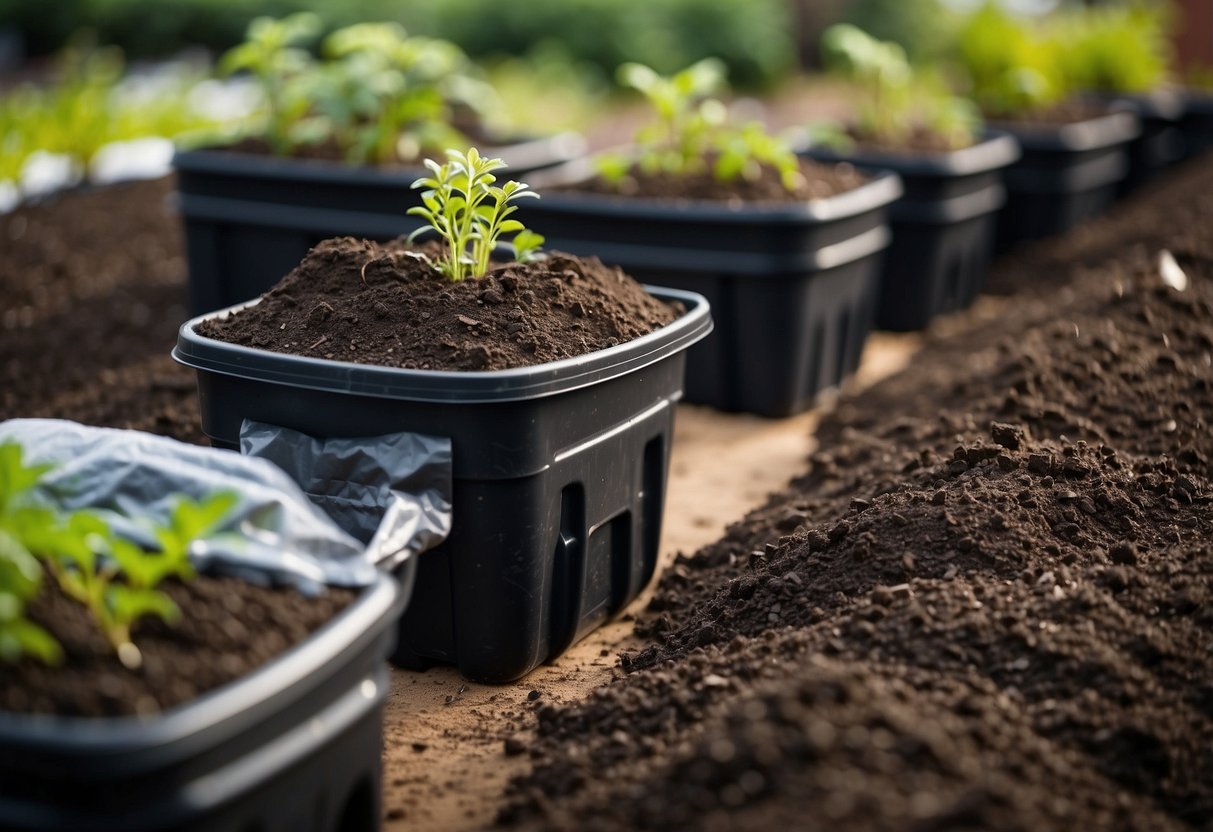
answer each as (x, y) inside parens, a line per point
(985, 604)
(577, 368)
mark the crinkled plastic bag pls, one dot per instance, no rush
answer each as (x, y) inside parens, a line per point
(275, 533)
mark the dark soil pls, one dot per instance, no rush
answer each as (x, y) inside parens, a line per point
(227, 629)
(919, 141)
(92, 290)
(1070, 111)
(356, 300)
(985, 605)
(819, 181)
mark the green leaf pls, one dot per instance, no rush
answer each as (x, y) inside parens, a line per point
(128, 605)
(22, 637)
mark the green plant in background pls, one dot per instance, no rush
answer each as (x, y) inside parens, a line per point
(470, 212)
(692, 134)
(390, 95)
(1011, 68)
(273, 52)
(113, 578)
(1113, 48)
(894, 100)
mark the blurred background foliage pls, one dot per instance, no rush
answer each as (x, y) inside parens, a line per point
(754, 38)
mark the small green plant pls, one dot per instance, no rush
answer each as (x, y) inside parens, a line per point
(692, 134)
(894, 101)
(115, 579)
(20, 570)
(470, 212)
(1012, 68)
(1113, 47)
(273, 52)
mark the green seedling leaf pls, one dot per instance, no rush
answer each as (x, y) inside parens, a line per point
(465, 207)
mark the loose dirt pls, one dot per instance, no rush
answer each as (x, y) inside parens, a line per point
(983, 606)
(371, 303)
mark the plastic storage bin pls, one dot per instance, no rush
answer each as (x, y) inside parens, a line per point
(943, 226)
(559, 474)
(1067, 174)
(792, 285)
(297, 744)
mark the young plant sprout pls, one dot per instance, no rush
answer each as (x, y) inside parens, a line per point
(20, 570)
(692, 133)
(272, 52)
(470, 212)
(894, 101)
(115, 579)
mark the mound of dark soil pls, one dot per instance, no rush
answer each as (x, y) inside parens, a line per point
(372, 303)
(92, 290)
(985, 605)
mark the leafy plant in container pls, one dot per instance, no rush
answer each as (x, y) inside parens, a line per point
(786, 249)
(1121, 54)
(130, 692)
(341, 138)
(1074, 150)
(555, 378)
(943, 225)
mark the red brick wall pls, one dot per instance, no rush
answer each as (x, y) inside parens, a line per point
(1194, 34)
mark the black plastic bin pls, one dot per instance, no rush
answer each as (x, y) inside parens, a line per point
(297, 744)
(1066, 174)
(1196, 124)
(250, 218)
(559, 474)
(1160, 143)
(792, 285)
(943, 226)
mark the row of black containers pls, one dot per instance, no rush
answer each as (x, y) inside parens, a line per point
(544, 548)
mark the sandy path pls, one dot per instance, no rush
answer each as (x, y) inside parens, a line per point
(445, 764)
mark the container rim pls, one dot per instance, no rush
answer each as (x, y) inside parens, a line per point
(216, 159)
(883, 189)
(445, 386)
(1104, 131)
(193, 724)
(996, 149)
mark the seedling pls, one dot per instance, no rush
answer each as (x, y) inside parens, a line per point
(390, 95)
(894, 101)
(1113, 48)
(1012, 68)
(272, 51)
(112, 577)
(692, 133)
(470, 212)
(20, 571)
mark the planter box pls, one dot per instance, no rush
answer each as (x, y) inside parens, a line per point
(943, 227)
(792, 285)
(1067, 174)
(559, 474)
(1160, 143)
(1196, 124)
(250, 218)
(296, 744)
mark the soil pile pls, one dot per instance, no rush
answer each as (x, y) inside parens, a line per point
(818, 180)
(92, 290)
(372, 303)
(986, 605)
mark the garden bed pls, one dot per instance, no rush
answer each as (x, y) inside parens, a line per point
(1038, 675)
(986, 602)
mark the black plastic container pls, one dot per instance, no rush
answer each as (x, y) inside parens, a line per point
(1160, 143)
(792, 285)
(1196, 124)
(943, 226)
(250, 218)
(297, 744)
(1066, 174)
(559, 474)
